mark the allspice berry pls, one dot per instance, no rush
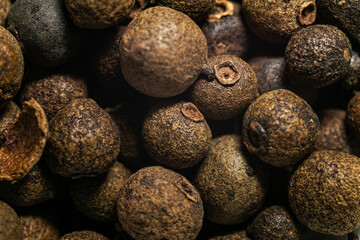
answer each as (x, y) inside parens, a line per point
(231, 183)
(196, 9)
(318, 56)
(277, 20)
(83, 235)
(54, 91)
(96, 197)
(98, 14)
(176, 134)
(10, 226)
(36, 187)
(163, 51)
(280, 128)
(38, 225)
(5, 6)
(324, 192)
(241, 235)
(157, 203)
(84, 140)
(353, 81)
(45, 32)
(274, 223)
(225, 30)
(353, 115)
(12, 72)
(333, 134)
(228, 90)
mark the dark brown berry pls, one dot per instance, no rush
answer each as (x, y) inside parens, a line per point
(83, 235)
(231, 184)
(242, 235)
(318, 56)
(176, 134)
(353, 81)
(84, 140)
(10, 226)
(225, 30)
(274, 223)
(38, 225)
(96, 197)
(196, 9)
(99, 14)
(53, 92)
(333, 135)
(157, 203)
(36, 187)
(280, 128)
(228, 91)
(277, 20)
(12, 62)
(5, 6)
(163, 51)
(324, 192)
(353, 115)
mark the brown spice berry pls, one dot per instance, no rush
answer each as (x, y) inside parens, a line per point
(54, 91)
(318, 56)
(353, 115)
(280, 128)
(274, 223)
(163, 51)
(10, 226)
(353, 81)
(228, 91)
(8, 115)
(12, 62)
(227, 34)
(36, 187)
(231, 183)
(96, 197)
(25, 142)
(83, 235)
(84, 140)
(5, 6)
(196, 9)
(324, 192)
(176, 134)
(277, 20)
(242, 235)
(98, 14)
(333, 135)
(38, 226)
(157, 203)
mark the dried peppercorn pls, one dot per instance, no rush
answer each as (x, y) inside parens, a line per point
(10, 226)
(83, 235)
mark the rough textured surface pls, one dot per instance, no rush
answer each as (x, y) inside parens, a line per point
(53, 92)
(176, 134)
(98, 14)
(343, 14)
(36, 187)
(277, 20)
(10, 227)
(96, 197)
(157, 203)
(353, 115)
(280, 128)
(228, 35)
(196, 9)
(163, 51)
(84, 140)
(333, 134)
(270, 72)
(228, 91)
(231, 184)
(46, 34)
(8, 115)
(38, 226)
(12, 66)
(274, 223)
(83, 235)
(242, 235)
(25, 142)
(324, 192)
(5, 6)
(318, 56)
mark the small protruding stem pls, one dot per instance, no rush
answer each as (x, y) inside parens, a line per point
(307, 13)
(221, 4)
